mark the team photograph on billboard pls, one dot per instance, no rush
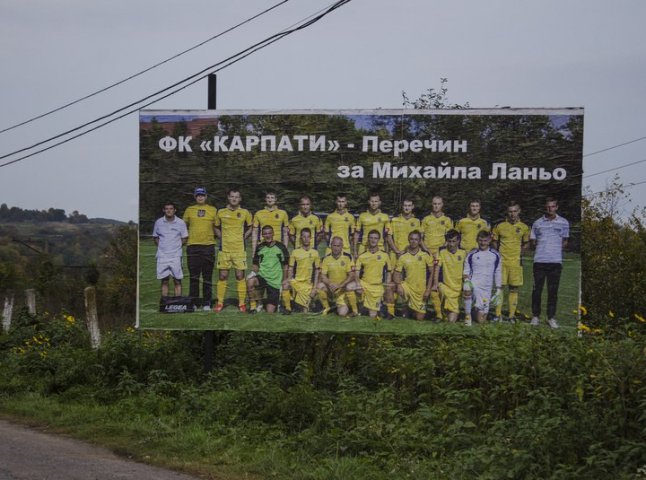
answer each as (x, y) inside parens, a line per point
(367, 221)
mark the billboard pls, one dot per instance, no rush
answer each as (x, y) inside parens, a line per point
(513, 172)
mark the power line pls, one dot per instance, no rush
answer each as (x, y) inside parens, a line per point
(615, 146)
(630, 185)
(200, 75)
(615, 168)
(146, 70)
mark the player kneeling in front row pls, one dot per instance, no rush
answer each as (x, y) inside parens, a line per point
(482, 270)
(268, 269)
(337, 272)
(373, 275)
(413, 275)
(448, 275)
(302, 275)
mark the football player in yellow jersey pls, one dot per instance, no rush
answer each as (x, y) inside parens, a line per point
(470, 226)
(305, 219)
(372, 219)
(302, 275)
(273, 216)
(337, 271)
(511, 239)
(413, 275)
(340, 223)
(200, 249)
(233, 226)
(401, 226)
(448, 275)
(434, 228)
(373, 273)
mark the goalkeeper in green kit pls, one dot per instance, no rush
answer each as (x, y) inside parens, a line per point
(268, 269)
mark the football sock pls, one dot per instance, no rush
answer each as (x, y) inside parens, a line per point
(391, 308)
(241, 286)
(253, 304)
(222, 290)
(513, 303)
(467, 307)
(287, 300)
(323, 298)
(352, 300)
(437, 303)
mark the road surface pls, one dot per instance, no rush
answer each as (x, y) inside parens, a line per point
(29, 454)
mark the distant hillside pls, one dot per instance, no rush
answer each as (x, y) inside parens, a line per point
(19, 215)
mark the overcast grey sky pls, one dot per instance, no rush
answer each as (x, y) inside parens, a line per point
(576, 53)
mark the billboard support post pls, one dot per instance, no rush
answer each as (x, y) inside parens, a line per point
(209, 335)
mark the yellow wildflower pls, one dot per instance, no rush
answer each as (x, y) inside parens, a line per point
(583, 310)
(612, 314)
(640, 318)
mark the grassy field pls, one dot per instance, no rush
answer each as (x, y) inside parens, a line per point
(231, 319)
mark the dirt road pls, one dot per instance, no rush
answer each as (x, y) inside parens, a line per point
(29, 454)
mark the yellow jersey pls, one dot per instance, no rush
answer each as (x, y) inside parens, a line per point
(373, 221)
(434, 228)
(415, 269)
(304, 263)
(276, 218)
(510, 238)
(200, 220)
(299, 222)
(337, 269)
(451, 267)
(400, 228)
(233, 224)
(469, 229)
(340, 225)
(373, 267)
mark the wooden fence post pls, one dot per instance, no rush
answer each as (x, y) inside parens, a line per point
(30, 296)
(7, 312)
(92, 318)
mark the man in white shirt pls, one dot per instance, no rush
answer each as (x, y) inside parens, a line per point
(170, 234)
(549, 237)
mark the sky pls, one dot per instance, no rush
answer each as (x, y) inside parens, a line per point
(553, 53)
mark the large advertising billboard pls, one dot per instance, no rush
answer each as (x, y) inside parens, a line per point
(359, 220)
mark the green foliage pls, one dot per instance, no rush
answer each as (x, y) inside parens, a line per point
(504, 403)
(613, 261)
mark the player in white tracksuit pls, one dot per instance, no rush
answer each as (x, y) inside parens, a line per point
(482, 271)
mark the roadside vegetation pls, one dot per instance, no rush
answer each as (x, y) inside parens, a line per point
(506, 403)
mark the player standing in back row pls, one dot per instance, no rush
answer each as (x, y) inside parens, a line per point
(511, 238)
(340, 223)
(471, 225)
(233, 226)
(372, 219)
(273, 216)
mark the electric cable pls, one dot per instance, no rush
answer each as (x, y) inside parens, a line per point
(146, 70)
(231, 60)
(615, 146)
(614, 168)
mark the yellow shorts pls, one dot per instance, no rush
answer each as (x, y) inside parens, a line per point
(450, 298)
(414, 297)
(302, 291)
(226, 261)
(340, 298)
(372, 295)
(512, 275)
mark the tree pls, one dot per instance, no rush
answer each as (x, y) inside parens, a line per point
(612, 254)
